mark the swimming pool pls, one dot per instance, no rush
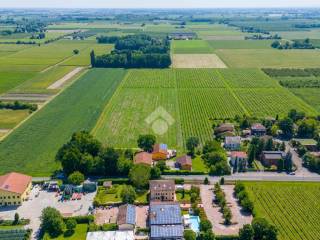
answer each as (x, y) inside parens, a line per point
(193, 222)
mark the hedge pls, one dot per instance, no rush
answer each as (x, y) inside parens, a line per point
(182, 172)
(119, 181)
(81, 219)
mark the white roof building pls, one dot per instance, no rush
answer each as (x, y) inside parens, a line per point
(110, 235)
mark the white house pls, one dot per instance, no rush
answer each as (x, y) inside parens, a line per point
(232, 143)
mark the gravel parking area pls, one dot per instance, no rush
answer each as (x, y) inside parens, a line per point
(215, 216)
(32, 208)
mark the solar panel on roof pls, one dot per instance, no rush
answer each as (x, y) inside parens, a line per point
(131, 214)
(167, 231)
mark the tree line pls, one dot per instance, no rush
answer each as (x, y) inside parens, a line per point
(18, 106)
(134, 51)
(295, 44)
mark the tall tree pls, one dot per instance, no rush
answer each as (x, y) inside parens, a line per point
(192, 143)
(146, 142)
(52, 222)
(110, 159)
(246, 233)
(93, 59)
(140, 175)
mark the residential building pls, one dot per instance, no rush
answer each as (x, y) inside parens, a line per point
(184, 162)
(269, 158)
(14, 188)
(258, 130)
(143, 158)
(126, 219)
(110, 235)
(182, 36)
(160, 152)
(165, 221)
(232, 143)
(239, 161)
(162, 190)
(309, 144)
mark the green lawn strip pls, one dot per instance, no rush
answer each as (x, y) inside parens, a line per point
(198, 165)
(80, 233)
(32, 147)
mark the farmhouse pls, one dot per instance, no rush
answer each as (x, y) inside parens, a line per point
(143, 158)
(270, 158)
(258, 130)
(162, 190)
(182, 36)
(184, 162)
(165, 221)
(224, 129)
(14, 188)
(232, 143)
(126, 217)
(160, 152)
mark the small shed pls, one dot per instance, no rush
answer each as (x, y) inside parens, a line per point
(107, 184)
(89, 186)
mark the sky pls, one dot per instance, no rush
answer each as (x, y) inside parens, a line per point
(157, 3)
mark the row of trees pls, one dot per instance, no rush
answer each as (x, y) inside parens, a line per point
(305, 44)
(18, 106)
(220, 199)
(134, 51)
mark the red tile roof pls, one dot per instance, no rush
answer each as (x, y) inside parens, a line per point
(14, 182)
(184, 160)
(238, 154)
(160, 148)
(143, 158)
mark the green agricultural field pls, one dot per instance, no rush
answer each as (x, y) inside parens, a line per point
(83, 58)
(312, 34)
(124, 117)
(10, 118)
(268, 58)
(11, 79)
(292, 207)
(191, 46)
(40, 82)
(240, 44)
(193, 97)
(44, 55)
(32, 147)
(262, 102)
(309, 95)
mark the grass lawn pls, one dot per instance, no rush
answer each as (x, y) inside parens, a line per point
(32, 147)
(10, 118)
(113, 195)
(292, 207)
(80, 233)
(109, 196)
(183, 199)
(198, 165)
(258, 58)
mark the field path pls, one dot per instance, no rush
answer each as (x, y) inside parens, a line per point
(233, 94)
(64, 79)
